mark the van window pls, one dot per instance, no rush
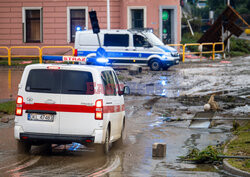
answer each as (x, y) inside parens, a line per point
(116, 40)
(139, 41)
(45, 81)
(117, 82)
(108, 83)
(77, 82)
(59, 81)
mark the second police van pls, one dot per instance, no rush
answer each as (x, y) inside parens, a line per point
(125, 47)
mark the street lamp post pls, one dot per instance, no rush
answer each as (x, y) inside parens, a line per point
(108, 14)
(228, 41)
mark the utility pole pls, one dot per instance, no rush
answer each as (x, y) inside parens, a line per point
(108, 14)
(228, 41)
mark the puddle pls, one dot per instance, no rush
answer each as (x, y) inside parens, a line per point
(9, 83)
(200, 124)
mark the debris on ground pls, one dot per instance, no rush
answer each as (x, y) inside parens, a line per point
(159, 150)
(208, 155)
(213, 104)
(4, 119)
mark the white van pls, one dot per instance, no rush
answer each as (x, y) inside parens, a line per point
(61, 104)
(125, 47)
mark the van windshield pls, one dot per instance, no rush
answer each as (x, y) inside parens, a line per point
(59, 81)
(153, 39)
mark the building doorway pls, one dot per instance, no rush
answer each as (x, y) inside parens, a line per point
(168, 24)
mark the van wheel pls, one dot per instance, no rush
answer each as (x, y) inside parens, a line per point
(107, 144)
(155, 65)
(121, 140)
(23, 147)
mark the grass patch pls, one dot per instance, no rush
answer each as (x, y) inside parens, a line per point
(239, 47)
(8, 107)
(240, 147)
(18, 61)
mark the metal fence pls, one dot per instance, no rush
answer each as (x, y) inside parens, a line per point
(198, 48)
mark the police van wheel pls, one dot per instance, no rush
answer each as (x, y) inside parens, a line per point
(155, 65)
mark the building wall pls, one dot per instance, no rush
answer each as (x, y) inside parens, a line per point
(152, 8)
(55, 17)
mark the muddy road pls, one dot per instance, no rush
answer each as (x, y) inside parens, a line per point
(158, 99)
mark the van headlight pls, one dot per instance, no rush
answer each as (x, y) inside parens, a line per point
(166, 56)
(174, 54)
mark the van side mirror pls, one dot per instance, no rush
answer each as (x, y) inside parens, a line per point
(125, 91)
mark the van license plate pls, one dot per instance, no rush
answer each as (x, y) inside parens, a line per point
(41, 117)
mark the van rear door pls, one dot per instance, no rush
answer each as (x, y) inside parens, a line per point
(41, 101)
(79, 102)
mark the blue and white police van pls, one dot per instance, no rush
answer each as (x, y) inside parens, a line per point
(126, 47)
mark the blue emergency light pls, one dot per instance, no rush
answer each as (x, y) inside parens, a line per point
(78, 28)
(102, 60)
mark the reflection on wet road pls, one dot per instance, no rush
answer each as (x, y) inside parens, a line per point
(62, 160)
(144, 126)
(134, 158)
(9, 77)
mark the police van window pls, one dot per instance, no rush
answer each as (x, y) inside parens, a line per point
(77, 82)
(116, 40)
(45, 81)
(139, 41)
(108, 83)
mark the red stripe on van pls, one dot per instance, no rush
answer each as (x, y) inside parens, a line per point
(59, 107)
(71, 108)
(111, 109)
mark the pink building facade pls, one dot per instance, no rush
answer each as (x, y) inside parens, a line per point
(53, 22)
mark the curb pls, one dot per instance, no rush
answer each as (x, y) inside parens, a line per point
(229, 168)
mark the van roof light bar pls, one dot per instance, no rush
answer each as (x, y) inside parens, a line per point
(141, 30)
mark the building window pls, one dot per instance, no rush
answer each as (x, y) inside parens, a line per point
(32, 24)
(137, 17)
(77, 20)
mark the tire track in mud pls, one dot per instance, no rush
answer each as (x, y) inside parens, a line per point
(112, 162)
(30, 162)
(13, 164)
(106, 169)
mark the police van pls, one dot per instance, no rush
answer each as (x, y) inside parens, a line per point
(63, 103)
(125, 47)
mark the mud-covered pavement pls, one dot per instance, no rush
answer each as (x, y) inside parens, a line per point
(158, 100)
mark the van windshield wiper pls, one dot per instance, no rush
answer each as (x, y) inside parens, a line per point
(75, 90)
